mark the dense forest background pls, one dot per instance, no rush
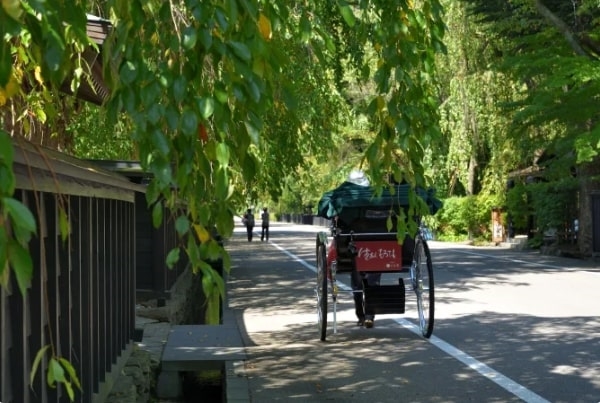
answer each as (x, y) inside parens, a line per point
(503, 114)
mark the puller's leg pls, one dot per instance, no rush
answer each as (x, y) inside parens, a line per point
(357, 287)
(371, 279)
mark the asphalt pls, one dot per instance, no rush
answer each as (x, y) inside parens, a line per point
(240, 384)
(247, 306)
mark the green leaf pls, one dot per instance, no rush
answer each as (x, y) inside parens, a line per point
(214, 250)
(223, 154)
(58, 372)
(21, 217)
(172, 116)
(241, 50)
(63, 221)
(253, 132)
(189, 123)
(206, 39)
(179, 88)
(221, 94)
(160, 142)
(173, 258)
(249, 168)
(128, 73)
(221, 184)
(206, 105)
(182, 225)
(6, 149)
(40, 114)
(163, 172)
(21, 235)
(232, 10)
(152, 193)
(249, 6)
(253, 89)
(71, 371)
(305, 28)
(36, 362)
(22, 265)
(69, 389)
(347, 13)
(221, 18)
(154, 113)
(213, 287)
(129, 97)
(226, 262)
(157, 214)
(208, 274)
(54, 50)
(7, 180)
(150, 93)
(189, 37)
(401, 127)
(193, 252)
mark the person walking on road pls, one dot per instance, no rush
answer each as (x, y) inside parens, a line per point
(248, 221)
(265, 225)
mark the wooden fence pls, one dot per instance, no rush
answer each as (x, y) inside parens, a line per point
(152, 245)
(82, 296)
(307, 219)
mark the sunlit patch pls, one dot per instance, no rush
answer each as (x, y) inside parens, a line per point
(564, 370)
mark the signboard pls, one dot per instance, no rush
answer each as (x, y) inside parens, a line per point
(378, 256)
(497, 227)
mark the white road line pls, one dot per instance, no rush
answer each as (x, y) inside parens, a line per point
(503, 381)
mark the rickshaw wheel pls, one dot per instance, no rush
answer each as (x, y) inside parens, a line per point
(322, 290)
(422, 278)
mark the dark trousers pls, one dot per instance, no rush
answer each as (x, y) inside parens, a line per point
(249, 231)
(356, 282)
(265, 232)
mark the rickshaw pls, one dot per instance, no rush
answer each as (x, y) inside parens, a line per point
(364, 241)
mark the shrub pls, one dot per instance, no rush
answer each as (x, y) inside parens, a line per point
(466, 217)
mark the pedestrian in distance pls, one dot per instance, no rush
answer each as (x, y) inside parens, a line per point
(265, 225)
(248, 221)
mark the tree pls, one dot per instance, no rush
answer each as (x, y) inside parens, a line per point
(197, 96)
(554, 55)
(207, 87)
(476, 155)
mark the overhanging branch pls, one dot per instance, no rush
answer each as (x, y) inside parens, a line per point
(561, 26)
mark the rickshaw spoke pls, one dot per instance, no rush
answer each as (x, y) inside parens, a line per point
(422, 279)
(321, 290)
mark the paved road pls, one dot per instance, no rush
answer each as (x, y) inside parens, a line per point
(510, 326)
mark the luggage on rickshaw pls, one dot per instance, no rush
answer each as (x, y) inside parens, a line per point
(364, 241)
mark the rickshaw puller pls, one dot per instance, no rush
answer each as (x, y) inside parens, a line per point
(356, 282)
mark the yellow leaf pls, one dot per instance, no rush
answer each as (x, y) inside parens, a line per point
(202, 233)
(12, 87)
(264, 26)
(381, 103)
(38, 75)
(12, 8)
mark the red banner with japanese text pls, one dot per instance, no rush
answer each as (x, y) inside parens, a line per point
(378, 256)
